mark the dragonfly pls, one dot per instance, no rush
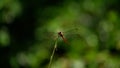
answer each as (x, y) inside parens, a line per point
(48, 36)
(64, 35)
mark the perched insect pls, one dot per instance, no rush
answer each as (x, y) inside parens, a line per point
(49, 36)
(62, 36)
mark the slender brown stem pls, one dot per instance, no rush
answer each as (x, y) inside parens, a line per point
(53, 52)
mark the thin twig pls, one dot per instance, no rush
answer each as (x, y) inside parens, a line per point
(53, 52)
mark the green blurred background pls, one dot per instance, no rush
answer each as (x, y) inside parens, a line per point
(28, 29)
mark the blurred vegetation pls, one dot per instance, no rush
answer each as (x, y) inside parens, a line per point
(28, 30)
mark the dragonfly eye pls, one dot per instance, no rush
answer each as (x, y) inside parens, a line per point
(60, 33)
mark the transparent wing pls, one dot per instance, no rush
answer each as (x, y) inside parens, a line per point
(76, 33)
(45, 38)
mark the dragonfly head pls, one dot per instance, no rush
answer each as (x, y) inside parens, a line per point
(60, 33)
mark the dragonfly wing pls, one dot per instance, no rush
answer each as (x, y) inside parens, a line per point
(74, 32)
